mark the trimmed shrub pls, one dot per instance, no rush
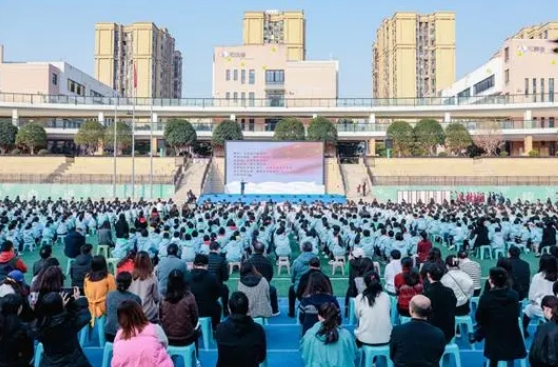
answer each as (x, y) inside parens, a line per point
(16, 151)
(43, 152)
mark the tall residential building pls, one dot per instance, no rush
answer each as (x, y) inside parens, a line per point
(414, 55)
(275, 27)
(177, 75)
(540, 31)
(118, 47)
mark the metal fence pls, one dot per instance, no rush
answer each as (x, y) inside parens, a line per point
(464, 180)
(85, 179)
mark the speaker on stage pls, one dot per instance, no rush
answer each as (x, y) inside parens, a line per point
(389, 144)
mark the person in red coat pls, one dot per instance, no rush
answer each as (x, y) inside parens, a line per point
(423, 247)
(408, 284)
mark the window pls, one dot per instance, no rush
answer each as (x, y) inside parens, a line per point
(251, 99)
(542, 90)
(274, 77)
(242, 76)
(507, 76)
(92, 93)
(543, 122)
(235, 75)
(228, 96)
(551, 122)
(534, 89)
(76, 88)
(464, 93)
(243, 98)
(251, 76)
(484, 85)
(506, 54)
(54, 79)
(526, 86)
(228, 75)
(550, 89)
(235, 96)
(250, 124)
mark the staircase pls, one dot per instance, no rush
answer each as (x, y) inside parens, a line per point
(334, 184)
(355, 174)
(191, 179)
(58, 172)
(215, 180)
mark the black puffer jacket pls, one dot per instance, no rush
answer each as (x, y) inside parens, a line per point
(544, 349)
(80, 268)
(59, 336)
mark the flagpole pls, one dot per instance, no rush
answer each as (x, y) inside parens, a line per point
(114, 147)
(134, 135)
(151, 153)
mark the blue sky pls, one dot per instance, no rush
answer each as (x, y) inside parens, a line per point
(36, 30)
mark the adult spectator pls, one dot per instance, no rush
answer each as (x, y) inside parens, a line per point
(406, 349)
(327, 344)
(460, 283)
(167, 265)
(178, 312)
(423, 247)
(300, 266)
(264, 266)
(359, 266)
(392, 269)
(9, 261)
(434, 257)
(218, 266)
(141, 221)
(408, 284)
(16, 343)
(240, 341)
(206, 290)
(521, 273)
(81, 266)
(544, 348)
(548, 236)
(443, 302)
(45, 254)
(139, 342)
(144, 285)
(15, 284)
(317, 292)
(121, 227)
(114, 299)
(49, 279)
(58, 328)
(256, 288)
(541, 286)
(472, 269)
(373, 311)
(497, 321)
(73, 242)
(97, 285)
(315, 267)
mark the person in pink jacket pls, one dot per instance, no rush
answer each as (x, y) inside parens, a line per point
(136, 330)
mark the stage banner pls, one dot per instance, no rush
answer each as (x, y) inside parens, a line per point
(274, 167)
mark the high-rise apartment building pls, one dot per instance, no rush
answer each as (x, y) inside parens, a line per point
(540, 31)
(275, 27)
(414, 55)
(118, 47)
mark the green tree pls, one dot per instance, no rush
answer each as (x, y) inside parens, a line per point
(457, 138)
(289, 128)
(31, 136)
(322, 129)
(226, 130)
(90, 134)
(123, 136)
(401, 134)
(8, 133)
(180, 134)
(428, 135)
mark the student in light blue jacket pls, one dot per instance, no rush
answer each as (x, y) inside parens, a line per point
(234, 249)
(188, 248)
(282, 243)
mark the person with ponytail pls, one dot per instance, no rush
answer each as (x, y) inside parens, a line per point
(326, 344)
(114, 299)
(544, 348)
(16, 343)
(372, 309)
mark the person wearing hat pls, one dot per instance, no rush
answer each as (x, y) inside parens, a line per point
(206, 290)
(15, 284)
(9, 261)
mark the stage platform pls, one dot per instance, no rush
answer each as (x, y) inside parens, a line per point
(250, 198)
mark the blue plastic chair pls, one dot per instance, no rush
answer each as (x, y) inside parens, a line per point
(84, 334)
(352, 316)
(207, 332)
(107, 354)
(474, 305)
(465, 324)
(483, 250)
(451, 350)
(367, 354)
(404, 319)
(393, 311)
(261, 320)
(39, 350)
(188, 354)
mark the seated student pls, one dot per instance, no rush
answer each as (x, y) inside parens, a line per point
(282, 243)
(45, 253)
(188, 253)
(234, 250)
(81, 266)
(497, 240)
(327, 344)
(240, 341)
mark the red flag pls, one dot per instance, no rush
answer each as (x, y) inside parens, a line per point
(135, 77)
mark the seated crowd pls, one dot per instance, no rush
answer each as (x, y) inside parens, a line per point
(156, 279)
